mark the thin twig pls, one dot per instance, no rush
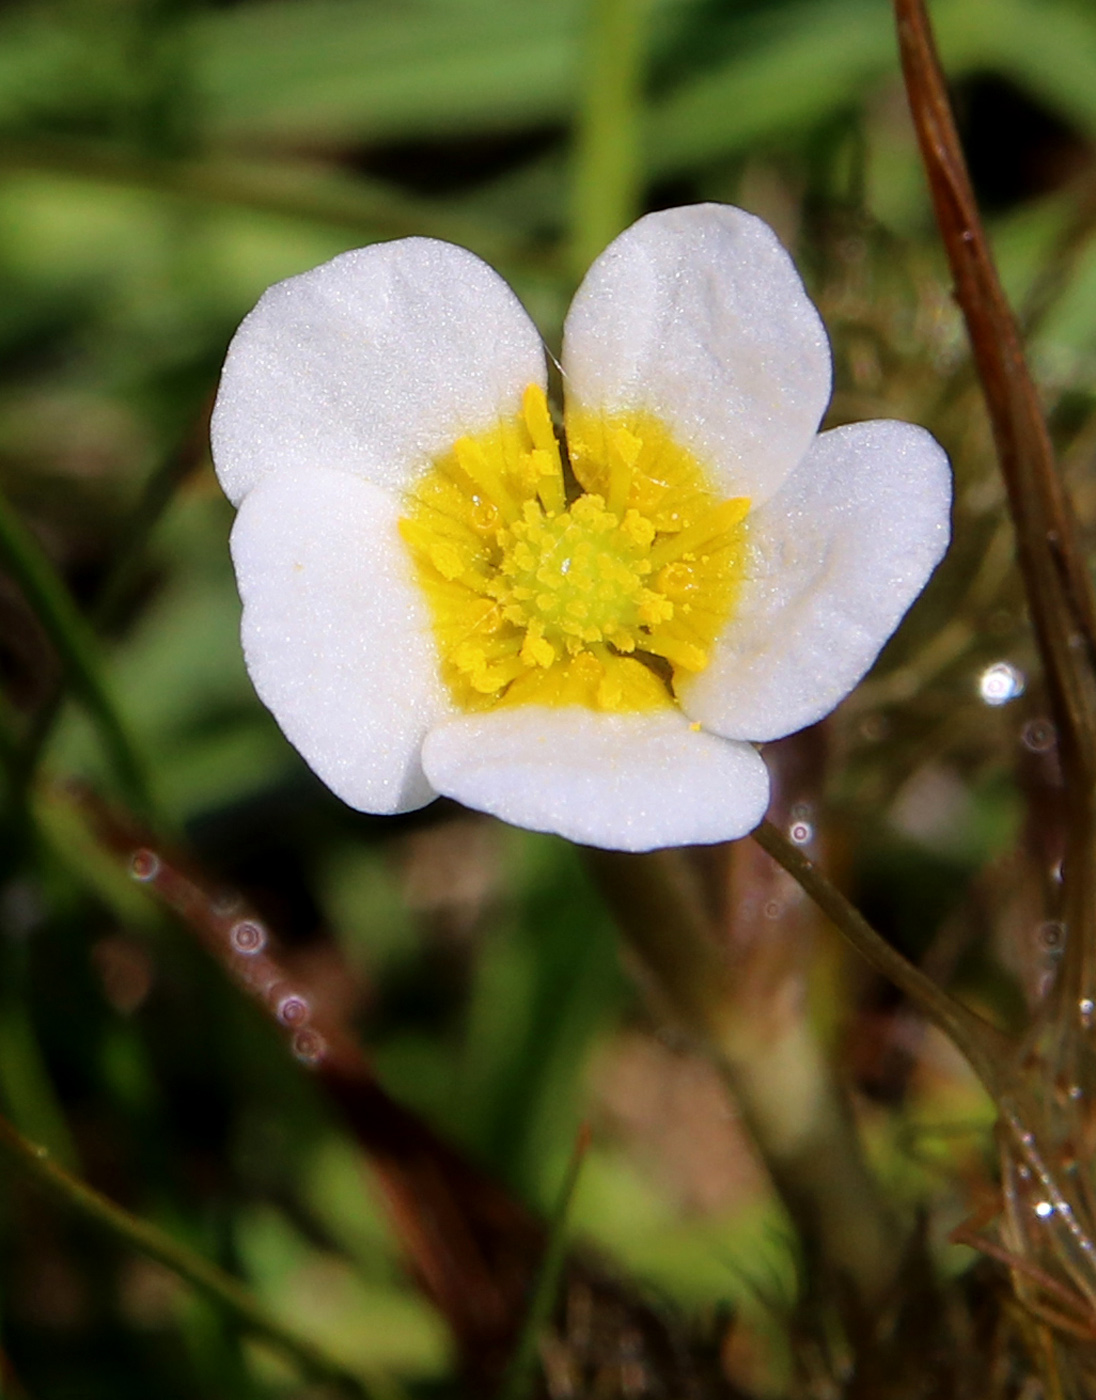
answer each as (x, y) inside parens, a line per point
(148, 1239)
(985, 1047)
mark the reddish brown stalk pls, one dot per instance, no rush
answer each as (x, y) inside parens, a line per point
(474, 1249)
(1059, 590)
(1056, 580)
(1082, 1325)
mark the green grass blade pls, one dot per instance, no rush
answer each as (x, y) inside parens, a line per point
(608, 165)
(520, 1374)
(76, 645)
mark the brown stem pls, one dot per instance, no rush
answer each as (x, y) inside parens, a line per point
(1059, 590)
(1056, 579)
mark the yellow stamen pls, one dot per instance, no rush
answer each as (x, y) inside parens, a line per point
(535, 601)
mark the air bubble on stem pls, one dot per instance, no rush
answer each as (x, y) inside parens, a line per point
(1043, 1209)
(248, 937)
(1052, 935)
(144, 865)
(1086, 1006)
(1038, 735)
(309, 1047)
(293, 1009)
(801, 833)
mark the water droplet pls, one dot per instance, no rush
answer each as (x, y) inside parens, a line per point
(801, 812)
(873, 728)
(1086, 1006)
(773, 909)
(41, 1152)
(801, 832)
(248, 937)
(144, 865)
(1043, 1209)
(225, 903)
(1038, 735)
(1000, 683)
(309, 1047)
(1052, 935)
(1076, 1092)
(1024, 1173)
(293, 1009)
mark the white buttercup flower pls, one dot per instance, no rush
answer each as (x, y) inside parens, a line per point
(437, 599)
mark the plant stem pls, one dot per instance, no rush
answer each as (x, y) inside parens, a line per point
(519, 1376)
(985, 1047)
(1057, 582)
(772, 1063)
(157, 494)
(608, 164)
(153, 1242)
(70, 634)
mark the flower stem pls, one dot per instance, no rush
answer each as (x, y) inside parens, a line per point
(985, 1047)
(608, 163)
(771, 1060)
(148, 1239)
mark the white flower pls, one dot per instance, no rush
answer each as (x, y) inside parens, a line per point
(434, 604)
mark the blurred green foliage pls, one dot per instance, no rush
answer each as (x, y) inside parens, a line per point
(162, 162)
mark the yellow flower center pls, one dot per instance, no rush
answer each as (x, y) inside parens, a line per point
(598, 587)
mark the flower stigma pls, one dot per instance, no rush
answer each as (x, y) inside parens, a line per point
(599, 577)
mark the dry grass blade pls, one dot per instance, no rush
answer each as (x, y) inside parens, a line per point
(1059, 590)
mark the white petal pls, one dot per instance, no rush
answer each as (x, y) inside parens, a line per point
(699, 316)
(626, 782)
(837, 556)
(372, 364)
(336, 634)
